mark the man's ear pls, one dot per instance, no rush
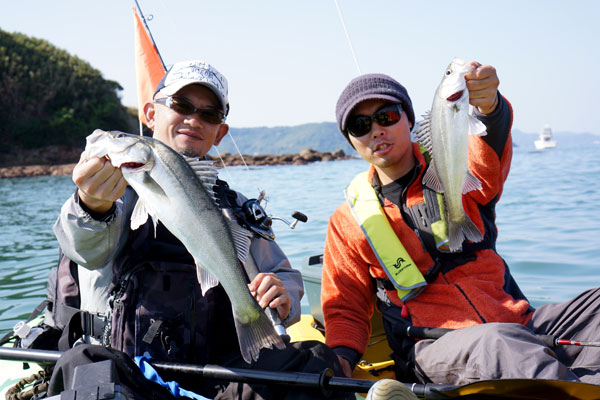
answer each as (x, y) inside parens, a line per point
(223, 129)
(149, 114)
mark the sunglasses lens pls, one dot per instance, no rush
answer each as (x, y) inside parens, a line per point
(210, 116)
(184, 107)
(387, 116)
(359, 126)
(181, 106)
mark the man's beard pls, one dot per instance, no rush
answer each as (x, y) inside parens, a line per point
(189, 152)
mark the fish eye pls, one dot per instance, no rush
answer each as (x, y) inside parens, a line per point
(448, 71)
(120, 135)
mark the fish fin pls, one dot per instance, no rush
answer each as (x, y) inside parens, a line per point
(458, 232)
(242, 239)
(139, 216)
(422, 132)
(471, 183)
(206, 172)
(256, 335)
(476, 127)
(431, 179)
(207, 280)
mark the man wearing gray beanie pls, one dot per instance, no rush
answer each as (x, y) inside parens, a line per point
(369, 87)
(383, 244)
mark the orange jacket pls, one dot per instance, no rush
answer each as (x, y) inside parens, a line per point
(477, 291)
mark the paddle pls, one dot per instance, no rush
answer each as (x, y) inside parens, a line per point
(531, 389)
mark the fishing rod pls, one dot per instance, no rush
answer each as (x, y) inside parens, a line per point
(325, 381)
(530, 389)
(423, 332)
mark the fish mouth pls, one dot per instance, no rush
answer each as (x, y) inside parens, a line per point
(455, 96)
(132, 165)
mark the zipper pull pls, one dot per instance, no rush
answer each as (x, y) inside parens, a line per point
(422, 218)
(404, 312)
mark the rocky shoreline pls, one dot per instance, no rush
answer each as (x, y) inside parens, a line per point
(36, 165)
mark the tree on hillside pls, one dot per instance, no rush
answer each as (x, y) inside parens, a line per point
(49, 97)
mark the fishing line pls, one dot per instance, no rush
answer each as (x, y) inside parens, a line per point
(223, 163)
(239, 152)
(347, 36)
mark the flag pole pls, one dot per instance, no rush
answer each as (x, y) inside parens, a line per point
(150, 34)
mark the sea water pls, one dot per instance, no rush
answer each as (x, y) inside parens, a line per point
(547, 220)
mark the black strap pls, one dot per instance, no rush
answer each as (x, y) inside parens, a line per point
(63, 314)
(433, 271)
(71, 333)
(81, 323)
(152, 331)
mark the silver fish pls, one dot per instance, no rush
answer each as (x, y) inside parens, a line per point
(444, 132)
(169, 190)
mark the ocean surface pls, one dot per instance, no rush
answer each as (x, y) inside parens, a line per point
(548, 221)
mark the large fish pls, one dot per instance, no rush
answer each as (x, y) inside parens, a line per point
(170, 191)
(444, 132)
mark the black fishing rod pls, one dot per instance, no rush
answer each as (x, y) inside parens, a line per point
(530, 389)
(422, 332)
(324, 381)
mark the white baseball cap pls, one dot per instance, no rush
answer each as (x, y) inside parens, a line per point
(186, 73)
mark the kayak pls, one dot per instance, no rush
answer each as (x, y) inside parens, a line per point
(374, 365)
(12, 372)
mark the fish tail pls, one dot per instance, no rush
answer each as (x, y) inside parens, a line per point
(459, 231)
(256, 335)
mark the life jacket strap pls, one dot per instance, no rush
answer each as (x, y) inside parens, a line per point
(391, 254)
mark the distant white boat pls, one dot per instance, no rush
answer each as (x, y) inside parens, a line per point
(545, 140)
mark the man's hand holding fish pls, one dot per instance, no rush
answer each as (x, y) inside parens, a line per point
(99, 183)
(483, 83)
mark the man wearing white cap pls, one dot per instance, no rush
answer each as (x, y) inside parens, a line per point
(157, 306)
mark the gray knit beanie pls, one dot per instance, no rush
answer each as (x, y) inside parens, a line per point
(371, 86)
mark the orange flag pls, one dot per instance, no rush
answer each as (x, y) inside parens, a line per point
(149, 69)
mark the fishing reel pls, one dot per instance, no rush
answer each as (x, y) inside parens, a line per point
(258, 221)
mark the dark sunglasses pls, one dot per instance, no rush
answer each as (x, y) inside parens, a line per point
(360, 125)
(182, 106)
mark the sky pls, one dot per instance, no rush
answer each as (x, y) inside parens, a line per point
(288, 61)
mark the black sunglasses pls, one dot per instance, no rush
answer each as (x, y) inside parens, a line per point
(360, 125)
(182, 106)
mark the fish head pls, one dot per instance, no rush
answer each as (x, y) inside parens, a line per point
(124, 150)
(453, 87)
